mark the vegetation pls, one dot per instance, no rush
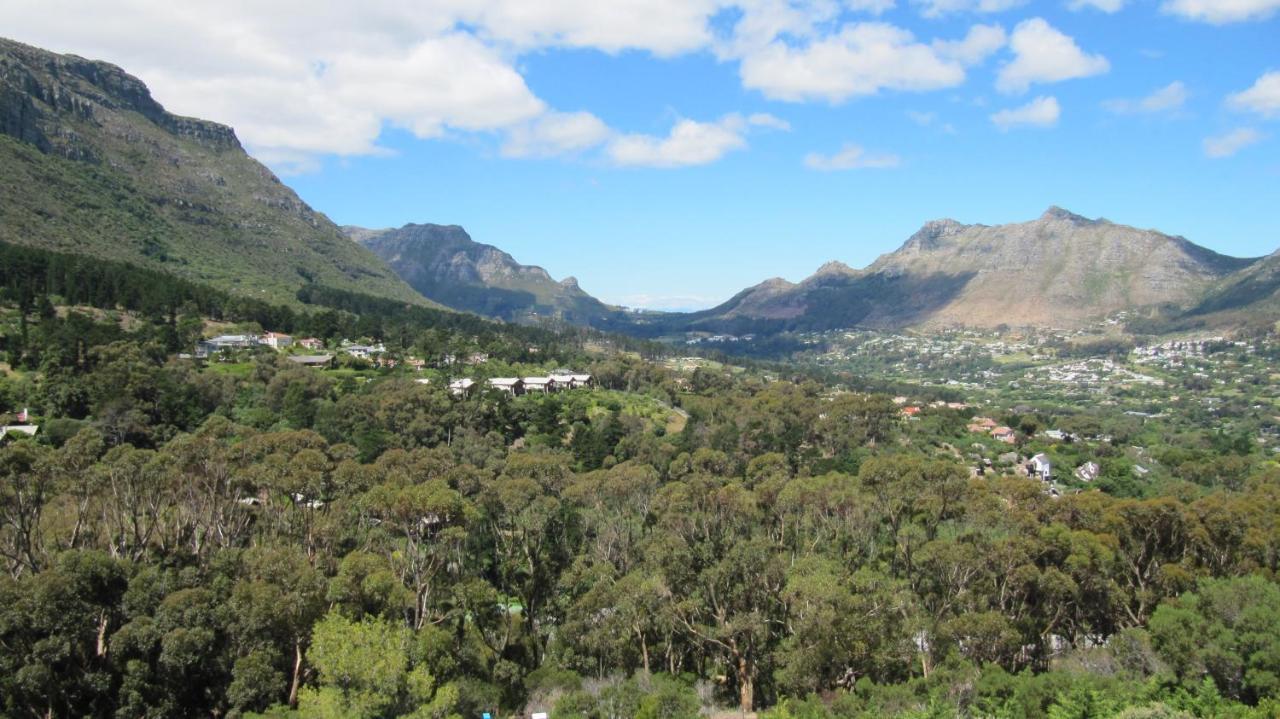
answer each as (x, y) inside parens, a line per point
(256, 538)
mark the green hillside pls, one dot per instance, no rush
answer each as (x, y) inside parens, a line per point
(91, 164)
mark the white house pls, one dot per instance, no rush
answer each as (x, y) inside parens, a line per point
(571, 380)
(460, 387)
(511, 385)
(276, 340)
(539, 384)
(1040, 468)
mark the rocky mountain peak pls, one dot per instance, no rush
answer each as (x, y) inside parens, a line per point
(835, 268)
(932, 235)
(1058, 214)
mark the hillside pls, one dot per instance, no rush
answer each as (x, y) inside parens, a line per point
(91, 164)
(445, 264)
(1060, 270)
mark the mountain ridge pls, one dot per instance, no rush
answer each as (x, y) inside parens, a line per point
(91, 163)
(1059, 270)
(444, 263)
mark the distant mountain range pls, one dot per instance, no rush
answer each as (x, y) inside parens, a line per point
(443, 263)
(1060, 270)
(91, 164)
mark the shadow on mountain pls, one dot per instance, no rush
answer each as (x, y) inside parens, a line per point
(874, 301)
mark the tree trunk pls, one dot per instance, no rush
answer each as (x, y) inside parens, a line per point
(746, 687)
(297, 673)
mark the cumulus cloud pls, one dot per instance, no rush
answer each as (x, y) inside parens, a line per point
(975, 47)
(1221, 12)
(938, 8)
(764, 119)
(555, 133)
(689, 143)
(1221, 146)
(1040, 112)
(862, 59)
(850, 157)
(1107, 6)
(1169, 98)
(1263, 98)
(1042, 54)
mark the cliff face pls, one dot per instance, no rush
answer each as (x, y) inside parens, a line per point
(91, 163)
(445, 264)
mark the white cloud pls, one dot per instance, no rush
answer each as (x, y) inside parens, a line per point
(976, 46)
(1263, 98)
(1042, 54)
(1169, 98)
(663, 27)
(689, 143)
(764, 119)
(1040, 112)
(850, 157)
(938, 8)
(862, 59)
(1107, 6)
(1220, 12)
(1232, 142)
(555, 133)
(874, 7)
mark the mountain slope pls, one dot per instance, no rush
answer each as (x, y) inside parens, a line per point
(445, 264)
(1060, 270)
(91, 164)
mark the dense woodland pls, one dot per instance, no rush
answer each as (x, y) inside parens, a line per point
(255, 538)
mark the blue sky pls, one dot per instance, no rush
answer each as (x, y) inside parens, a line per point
(669, 153)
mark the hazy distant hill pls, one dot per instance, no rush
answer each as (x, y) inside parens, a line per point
(91, 164)
(445, 264)
(1060, 270)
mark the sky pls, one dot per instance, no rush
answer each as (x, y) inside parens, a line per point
(669, 153)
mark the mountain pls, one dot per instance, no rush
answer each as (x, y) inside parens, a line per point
(91, 164)
(1060, 270)
(1252, 294)
(443, 263)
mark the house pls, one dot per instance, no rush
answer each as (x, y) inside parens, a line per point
(1004, 434)
(276, 340)
(540, 384)
(511, 385)
(460, 387)
(311, 360)
(910, 411)
(1088, 471)
(364, 351)
(571, 380)
(311, 343)
(416, 364)
(19, 429)
(224, 343)
(1040, 468)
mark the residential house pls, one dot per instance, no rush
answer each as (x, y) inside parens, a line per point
(511, 385)
(910, 411)
(1040, 468)
(460, 387)
(571, 380)
(539, 384)
(229, 342)
(1004, 434)
(311, 343)
(276, 340)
